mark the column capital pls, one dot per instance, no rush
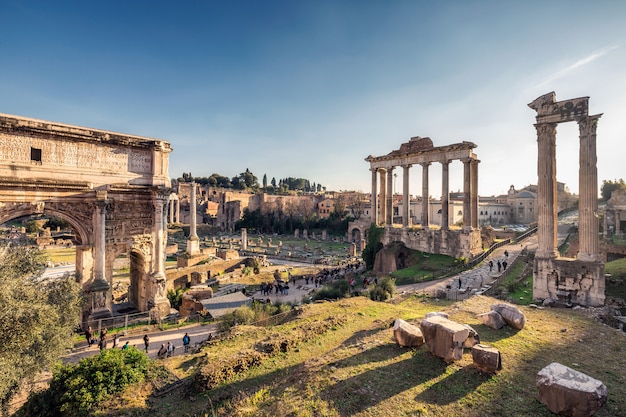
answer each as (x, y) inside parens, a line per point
(425, 164)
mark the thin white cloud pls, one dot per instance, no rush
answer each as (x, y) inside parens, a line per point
(580, 63)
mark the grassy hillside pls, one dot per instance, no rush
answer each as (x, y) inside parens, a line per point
(349, 365)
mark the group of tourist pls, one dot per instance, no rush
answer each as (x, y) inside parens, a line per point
(279, 287)
(501, 265)
(103, 340)
(164, 351)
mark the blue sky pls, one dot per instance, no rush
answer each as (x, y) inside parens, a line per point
(311, 88)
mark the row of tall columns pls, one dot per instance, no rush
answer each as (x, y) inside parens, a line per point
(174, 211)
(384, 196)
(588, 224)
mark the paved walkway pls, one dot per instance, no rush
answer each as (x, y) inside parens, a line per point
(197, 333)
(474, 280)
(471, 282)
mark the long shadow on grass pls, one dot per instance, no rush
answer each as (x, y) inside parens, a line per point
(357, 393)
(379, 353)
(489, 335)
(454, 387)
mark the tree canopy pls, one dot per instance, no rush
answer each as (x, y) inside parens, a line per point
(37, 318)
(609, 186)
(248, 181)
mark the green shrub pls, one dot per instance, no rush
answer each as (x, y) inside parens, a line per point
(333, 291)
(384, 290)
(75, 390)
(176, 297)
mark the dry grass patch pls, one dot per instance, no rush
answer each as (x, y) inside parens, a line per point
(356, 369)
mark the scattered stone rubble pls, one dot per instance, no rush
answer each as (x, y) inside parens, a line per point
(563, 390)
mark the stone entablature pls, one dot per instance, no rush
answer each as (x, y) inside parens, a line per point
(79, 154)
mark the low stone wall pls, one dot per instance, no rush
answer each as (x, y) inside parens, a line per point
(198, 274)
(455, 243)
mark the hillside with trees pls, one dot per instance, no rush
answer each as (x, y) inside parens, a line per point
(248, 181)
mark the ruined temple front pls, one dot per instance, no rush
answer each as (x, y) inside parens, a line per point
(579, 280)
(457, 242)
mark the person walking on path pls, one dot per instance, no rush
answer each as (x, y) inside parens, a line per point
(146, 341)
(490, 266)
(162, 352)
(186, 341)
(89, 336)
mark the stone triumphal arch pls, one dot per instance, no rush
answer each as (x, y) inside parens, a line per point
(579, 280)
(110, 187)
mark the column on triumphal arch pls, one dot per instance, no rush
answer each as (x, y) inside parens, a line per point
(588, 223)
(406, 219)
(445, 194)
(99, 288)
(158, 296)
(389, 208)
(425, 194)
(374, 197)
(546, 191)
(382, 173)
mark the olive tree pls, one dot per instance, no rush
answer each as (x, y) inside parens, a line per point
(37, 318)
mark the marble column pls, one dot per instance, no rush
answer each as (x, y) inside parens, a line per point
(474, 193)
(193, 243)
(406, 219)
(244, 238)
(374, 198)
(171, 210)
(445, 194)
(425, 194)
(100, 287)
(177, 210)
(383, 196)
(546, 191)
(588, 224)
(467, 189)
(389, 209)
